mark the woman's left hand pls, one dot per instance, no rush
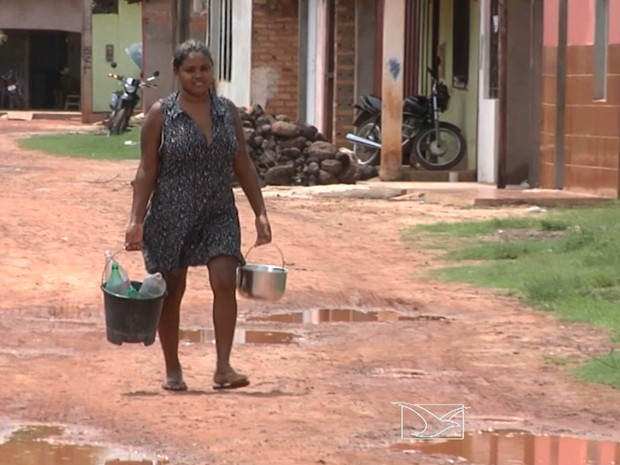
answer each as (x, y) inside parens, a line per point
(263, 230)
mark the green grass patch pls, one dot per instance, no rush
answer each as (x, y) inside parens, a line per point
(604, 369)
(564, 261)
(94, 146)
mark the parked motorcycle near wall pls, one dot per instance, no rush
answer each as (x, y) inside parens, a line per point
(11, 89)
(123, 102)
(427, 141)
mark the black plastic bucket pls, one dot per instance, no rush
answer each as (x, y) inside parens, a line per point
(131, 320)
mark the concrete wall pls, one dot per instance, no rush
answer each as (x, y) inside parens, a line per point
(119, 30)
(487, 106)
(159, 43)
(57, 15)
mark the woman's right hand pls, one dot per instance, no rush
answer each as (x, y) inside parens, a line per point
(133, 236)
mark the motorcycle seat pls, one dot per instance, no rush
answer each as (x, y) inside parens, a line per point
(416, 105)
(371, 103)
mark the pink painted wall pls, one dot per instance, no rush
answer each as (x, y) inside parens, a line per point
(614, 22)
(581, 22)
(550, 11)
(581, 16)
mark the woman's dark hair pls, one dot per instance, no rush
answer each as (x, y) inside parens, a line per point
(187, 47)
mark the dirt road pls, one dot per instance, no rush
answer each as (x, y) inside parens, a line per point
(325, 395)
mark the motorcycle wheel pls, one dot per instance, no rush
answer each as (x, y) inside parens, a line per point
(367, 155)
(434, 157)
(119, 123)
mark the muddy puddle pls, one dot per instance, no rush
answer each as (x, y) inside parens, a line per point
(511, 447)
(327, 315)
(53, 445)
(242, 336)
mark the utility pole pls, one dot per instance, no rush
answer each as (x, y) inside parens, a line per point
(392, 90)
(502, 58)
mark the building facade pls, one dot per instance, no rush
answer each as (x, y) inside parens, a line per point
(580, 133)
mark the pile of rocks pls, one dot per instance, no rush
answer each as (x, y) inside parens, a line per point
(288, 153)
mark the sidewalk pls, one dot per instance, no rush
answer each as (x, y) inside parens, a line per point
(29, 115)
(444, 193)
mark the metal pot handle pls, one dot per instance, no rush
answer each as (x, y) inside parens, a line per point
(253, 247)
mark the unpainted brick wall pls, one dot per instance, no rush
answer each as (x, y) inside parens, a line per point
(344, 79)
(275, 55)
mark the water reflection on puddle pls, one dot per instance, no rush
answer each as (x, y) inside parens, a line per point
(47, 445)
(242, 336)
(327, 315)
(520, 448)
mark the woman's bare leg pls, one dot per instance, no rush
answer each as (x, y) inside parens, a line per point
(222, 276)
(169, 329)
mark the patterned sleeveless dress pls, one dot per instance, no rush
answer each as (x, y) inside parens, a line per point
(192, 216)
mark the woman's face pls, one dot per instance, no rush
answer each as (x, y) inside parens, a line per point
(195, 74)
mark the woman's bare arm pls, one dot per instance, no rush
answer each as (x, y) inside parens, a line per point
(146, 175)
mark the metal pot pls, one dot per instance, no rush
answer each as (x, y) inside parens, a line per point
(265, 282)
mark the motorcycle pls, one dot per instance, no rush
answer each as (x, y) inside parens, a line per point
(12, 89)
(426, 141)
(123, 102)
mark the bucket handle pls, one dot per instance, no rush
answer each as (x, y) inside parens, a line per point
(253, 247)
(106, 263)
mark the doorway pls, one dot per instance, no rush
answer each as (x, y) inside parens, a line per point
(54, 68)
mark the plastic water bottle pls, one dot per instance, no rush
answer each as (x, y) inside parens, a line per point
(115, 282)
(153, 285)
(116, 278)
(109, 261)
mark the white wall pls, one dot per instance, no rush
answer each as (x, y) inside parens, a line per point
(239, 89)
(320, 66)
(313, 7)
(487, 108)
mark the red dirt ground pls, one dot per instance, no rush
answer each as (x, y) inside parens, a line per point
(325, 398)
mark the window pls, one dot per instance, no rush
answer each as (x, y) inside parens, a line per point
(226, 41)
(601, 36)
(460, 43)
(105, 6)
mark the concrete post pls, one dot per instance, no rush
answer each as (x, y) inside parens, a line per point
(86, 91)
(392, 90)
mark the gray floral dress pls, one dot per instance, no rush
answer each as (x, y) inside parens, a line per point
(192, 216)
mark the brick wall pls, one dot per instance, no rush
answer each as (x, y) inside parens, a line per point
(344, 78)
(590, 127)
(548, 147)
(275, 56)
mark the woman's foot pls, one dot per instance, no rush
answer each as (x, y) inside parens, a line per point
(174, 385)
(174, 382)
(229, 380)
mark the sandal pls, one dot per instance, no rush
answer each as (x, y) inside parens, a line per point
(174, 385)
(230, 381)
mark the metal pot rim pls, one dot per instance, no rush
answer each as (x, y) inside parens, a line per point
(254, 267)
